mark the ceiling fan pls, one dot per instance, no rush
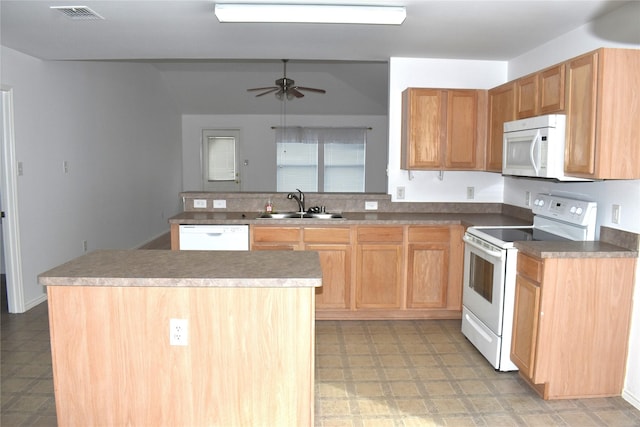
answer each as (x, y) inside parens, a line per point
(285, 87)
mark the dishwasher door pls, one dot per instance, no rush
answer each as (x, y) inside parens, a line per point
(214, 237)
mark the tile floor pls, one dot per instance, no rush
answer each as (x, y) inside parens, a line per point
(368, 373)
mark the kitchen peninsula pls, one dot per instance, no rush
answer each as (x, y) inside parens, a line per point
(249, 335)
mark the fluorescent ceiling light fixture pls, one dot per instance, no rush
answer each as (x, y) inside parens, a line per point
(310, 13)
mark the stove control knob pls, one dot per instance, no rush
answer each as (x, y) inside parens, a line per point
(540, 202)
(573, 209)
(579, 211)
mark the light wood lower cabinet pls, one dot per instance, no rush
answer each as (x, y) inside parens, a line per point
(377, 271)
(571, 324)
(334, 247)
(434, 267)
(379, 260)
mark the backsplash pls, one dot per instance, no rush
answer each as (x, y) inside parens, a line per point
(337, 202)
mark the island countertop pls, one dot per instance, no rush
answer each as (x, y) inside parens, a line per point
(163, 268)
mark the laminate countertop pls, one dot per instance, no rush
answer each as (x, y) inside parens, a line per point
(573, 249)
(162, 268)
(351, 218)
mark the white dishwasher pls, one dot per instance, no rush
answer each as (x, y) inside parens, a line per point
(214, 237)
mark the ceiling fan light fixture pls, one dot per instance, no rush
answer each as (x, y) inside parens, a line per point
(310, 13)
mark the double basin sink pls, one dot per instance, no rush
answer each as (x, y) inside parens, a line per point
(300, 215)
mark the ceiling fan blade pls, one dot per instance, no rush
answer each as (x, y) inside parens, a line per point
(311, 89)
(262, 88)
(293, 91)
(271, 90)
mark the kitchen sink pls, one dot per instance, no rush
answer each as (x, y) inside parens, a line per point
(301, 215)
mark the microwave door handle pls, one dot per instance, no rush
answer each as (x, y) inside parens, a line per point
(536, 140)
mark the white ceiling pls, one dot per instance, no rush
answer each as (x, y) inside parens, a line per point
(185, 37)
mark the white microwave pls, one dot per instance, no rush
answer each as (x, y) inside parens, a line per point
(534, 147)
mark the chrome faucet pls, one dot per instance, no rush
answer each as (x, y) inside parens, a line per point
(298, 198)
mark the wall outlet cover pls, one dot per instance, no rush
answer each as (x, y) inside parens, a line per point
(199, 203)
(221, 204)
(370, 206)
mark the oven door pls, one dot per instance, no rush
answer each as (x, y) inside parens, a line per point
(484, 282)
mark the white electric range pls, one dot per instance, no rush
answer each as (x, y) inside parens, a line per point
(490, 259)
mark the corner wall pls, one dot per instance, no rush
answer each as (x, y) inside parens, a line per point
(616, 29)
(114, 125)
(426, 186)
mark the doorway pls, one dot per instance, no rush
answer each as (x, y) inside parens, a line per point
(9, 242)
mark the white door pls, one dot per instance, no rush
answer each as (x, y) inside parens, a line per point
(220, 168)
(9, 195)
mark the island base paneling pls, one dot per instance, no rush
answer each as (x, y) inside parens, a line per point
(249, 358)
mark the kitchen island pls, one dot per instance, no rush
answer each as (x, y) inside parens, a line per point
(249, 335)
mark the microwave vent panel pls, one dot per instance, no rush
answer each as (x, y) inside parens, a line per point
(77, 12)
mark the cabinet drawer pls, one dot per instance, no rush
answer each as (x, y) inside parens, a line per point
(327, 235)
(276, 234)
(530, 267)
(428, 234)
(380, 234)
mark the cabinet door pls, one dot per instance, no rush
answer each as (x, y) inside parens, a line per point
(502, 108)
(335, 261)
(427, 275)
(379, 263)
(422, 128)
(551, 90)
(525, 325)
(333, 245)
(527, 96)
(580, 148)
(379, 276)
(461, 134)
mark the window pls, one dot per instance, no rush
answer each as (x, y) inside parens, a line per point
(219, 160)
(321, 159)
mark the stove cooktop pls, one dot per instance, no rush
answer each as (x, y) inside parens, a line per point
(520, 234)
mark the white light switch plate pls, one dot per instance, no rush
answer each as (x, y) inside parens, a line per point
(199, 203)
(220, 204)
(370, 206)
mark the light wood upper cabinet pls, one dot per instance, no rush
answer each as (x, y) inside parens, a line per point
(443, 129)
(541, 93)
(551, 90)
(571, 324)
(603, 107)
(502, 108)
(422, 127)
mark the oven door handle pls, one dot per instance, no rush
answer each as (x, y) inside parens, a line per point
(494, 253)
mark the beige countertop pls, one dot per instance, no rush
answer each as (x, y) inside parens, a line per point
(350, 218)
(131, 268)
(573, 249)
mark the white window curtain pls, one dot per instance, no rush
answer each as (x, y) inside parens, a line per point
(221, 158)
(321, 159)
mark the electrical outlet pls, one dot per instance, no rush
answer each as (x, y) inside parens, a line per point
(200, 203)
(222, 204)
(615, 214)
(400, 193)
(371, 206)
(527, 198)
(471, 193)
(65, 167)
(179, 332)
(85, 246)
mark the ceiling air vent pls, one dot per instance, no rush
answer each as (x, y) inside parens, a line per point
(77, 12)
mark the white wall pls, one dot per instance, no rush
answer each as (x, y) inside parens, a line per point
(617, 29)
(425, 186)
(257, 145)
(115, 126)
